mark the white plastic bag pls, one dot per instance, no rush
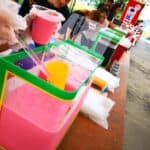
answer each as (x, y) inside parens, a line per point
(125, 42)
(12, 9)
(13, 6)
(10, 22)
(97, 107)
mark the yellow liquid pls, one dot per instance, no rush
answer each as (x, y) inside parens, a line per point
(57, 73)
(99, 82)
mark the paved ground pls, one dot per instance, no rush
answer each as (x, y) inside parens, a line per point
(137, 117)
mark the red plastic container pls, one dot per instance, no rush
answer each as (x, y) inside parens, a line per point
(120, 50)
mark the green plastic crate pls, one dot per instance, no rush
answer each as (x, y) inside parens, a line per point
(8, 66)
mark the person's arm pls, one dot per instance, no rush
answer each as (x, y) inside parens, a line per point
(25, 8)
(68, 26)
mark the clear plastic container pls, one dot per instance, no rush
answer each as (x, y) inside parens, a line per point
(103, 42)
(35, 114)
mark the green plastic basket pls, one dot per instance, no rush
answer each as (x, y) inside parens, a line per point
(8, 66)
(119, 32)
(106, 34)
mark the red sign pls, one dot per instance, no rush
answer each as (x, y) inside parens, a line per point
(132, 12)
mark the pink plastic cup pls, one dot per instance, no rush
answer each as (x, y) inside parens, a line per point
(44, 27)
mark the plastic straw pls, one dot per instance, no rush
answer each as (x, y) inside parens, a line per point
(33, 56)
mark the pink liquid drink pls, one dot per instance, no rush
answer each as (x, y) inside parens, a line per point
(33, 120)
(44, 27)
(75, 77)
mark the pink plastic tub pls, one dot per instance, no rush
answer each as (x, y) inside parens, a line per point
(33, 120)
(35, 114)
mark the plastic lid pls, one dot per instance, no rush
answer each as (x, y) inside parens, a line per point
(119, 31)
(109, 35)
(49, 17)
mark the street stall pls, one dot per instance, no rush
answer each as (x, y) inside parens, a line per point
(45, 110)
(44, 88)
(85, 134)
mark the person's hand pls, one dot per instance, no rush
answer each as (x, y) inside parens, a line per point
(10, 23)
(7, 30)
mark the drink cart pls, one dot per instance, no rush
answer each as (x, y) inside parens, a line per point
(36, 113)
